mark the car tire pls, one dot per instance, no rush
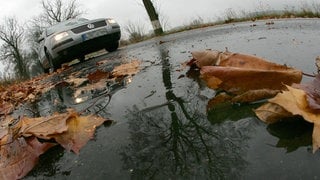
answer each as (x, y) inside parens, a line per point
(113, 46)
(53, 66)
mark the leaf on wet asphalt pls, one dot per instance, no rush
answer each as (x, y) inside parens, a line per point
(271, 113)
(127, 69)
(247, 97)
(76, 82)
(237, 73)
(294, 101)
(205, 58)
(312, 90)
(98, 75)
(80, 130)
(20, 147)
(6, 108)
(318, 63)
(20, 156)
(43, 127)
(238, 80)
(316, 137)
(253, 95)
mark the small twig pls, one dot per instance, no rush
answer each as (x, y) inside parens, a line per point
(309, 75)
(94, 103)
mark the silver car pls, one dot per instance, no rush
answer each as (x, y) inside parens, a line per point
(74, 38)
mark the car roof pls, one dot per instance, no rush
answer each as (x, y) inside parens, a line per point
(65, 25)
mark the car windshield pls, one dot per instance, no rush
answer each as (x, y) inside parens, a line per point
(65, 25)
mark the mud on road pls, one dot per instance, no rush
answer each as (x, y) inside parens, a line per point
(161, 128)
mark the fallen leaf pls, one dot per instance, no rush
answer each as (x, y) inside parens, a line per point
(253, 95)
(127, 69)
(239, 80)
(80, 131)
(295, 101)
(43, 127)
(76, 82)
(271, 113)
(205, 58)
(247, 97)
(98, 75)
(6, 108)
(312, 90)
(20, 156)
(316, 137)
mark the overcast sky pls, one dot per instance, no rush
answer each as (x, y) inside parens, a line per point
(176, 12)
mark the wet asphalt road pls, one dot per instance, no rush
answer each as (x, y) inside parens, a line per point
(162, 129)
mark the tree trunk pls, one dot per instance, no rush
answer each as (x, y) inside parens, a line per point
(153, 15)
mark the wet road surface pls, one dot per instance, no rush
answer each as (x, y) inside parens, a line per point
(161, 128)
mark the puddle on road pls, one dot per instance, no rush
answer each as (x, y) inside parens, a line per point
(163, 130)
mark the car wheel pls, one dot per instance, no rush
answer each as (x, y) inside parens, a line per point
(112, 47)
(52, 67)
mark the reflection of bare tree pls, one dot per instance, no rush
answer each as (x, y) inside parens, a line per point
(175, 140)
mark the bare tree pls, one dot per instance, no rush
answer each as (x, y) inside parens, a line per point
(56, 11)
(12, 35)
(53, 11)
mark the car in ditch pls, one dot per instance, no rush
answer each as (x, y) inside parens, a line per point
(74, 38)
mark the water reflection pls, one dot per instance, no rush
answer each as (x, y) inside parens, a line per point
(88, 101)
(175, 140)
(292, 133)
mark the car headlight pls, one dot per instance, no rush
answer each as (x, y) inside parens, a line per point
(111, 21)
(61, 36)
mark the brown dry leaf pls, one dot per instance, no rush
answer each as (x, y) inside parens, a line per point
(312, 90)
(127, 69)
(295, 101)
(237, 73)
(239, 80)
(246, 97)
(250, 62)
(20, 156)
(316, 137)
(318, 63)
(98, 75)
(76, 82)
(271, 113)
(4, 126)
(80, 131)
(205, 58)
(43, 127)
(218, 99)
(6, 108)
(253, 95)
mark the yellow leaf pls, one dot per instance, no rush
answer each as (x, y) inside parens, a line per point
(316, 137)
(80, 130)
(271, 113)
(295, 101)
